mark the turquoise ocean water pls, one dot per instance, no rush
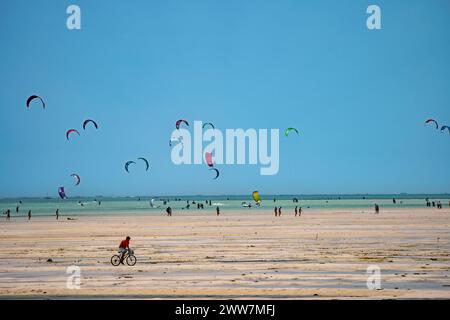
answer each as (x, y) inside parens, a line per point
(141, 205)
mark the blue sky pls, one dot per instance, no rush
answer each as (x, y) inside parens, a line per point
(359, 97)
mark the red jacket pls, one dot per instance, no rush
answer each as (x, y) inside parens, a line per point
(124, 244)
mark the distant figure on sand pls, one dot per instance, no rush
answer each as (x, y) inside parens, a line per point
(300, 212)
(279, 211)
(218, 210)
(29, 214)
(296, 210)
(8, 215)
(57, 214)
(377, 208)
(169, 211)
(276, 211)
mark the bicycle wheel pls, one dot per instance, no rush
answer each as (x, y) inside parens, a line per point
(115, 260)
(131, 260)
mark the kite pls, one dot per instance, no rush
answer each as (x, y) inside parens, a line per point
(76, 177)
(178, 123)
(31, 98)
(152, 204)
(217, 173)
(127, 164)
(208, 124)
(71, 131)
(445, 127)
(62, 193)
(256, 197)
(91, 121)
(288, 130)
(146, 163)
(208, 158)
(432, 121)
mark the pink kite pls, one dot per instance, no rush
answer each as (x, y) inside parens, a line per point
(208, 158)
(178, 123)
(71, 131)
(432, 121)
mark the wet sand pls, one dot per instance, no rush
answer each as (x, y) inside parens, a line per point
(242, 254)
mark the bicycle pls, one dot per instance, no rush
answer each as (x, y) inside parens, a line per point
(129, 258)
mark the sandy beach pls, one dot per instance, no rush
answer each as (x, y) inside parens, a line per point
(241, 254)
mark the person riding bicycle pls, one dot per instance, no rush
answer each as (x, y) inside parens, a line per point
(123, 248)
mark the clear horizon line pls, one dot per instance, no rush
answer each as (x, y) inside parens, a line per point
(224, 195)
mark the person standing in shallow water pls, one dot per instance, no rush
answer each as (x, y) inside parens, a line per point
(279, 211)
(57, 214)
(8, 215)
(218, 210)
(29, 214)
(296, 211)
(169, 211)
(276, 211)
(377, 208)
(300, 212)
